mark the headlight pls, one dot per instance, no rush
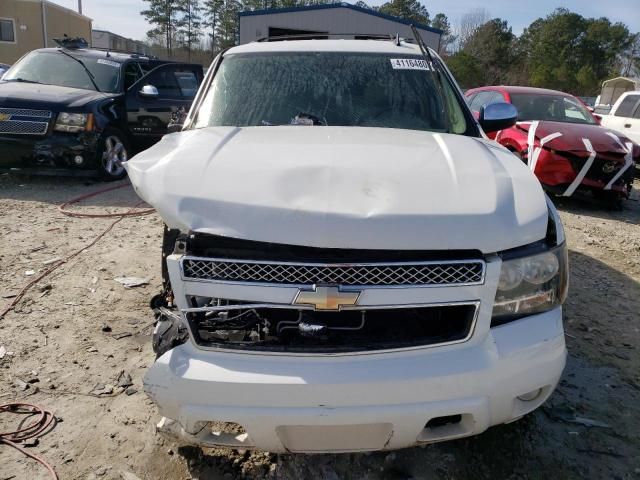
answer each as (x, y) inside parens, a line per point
(73, 122)
(532, 284)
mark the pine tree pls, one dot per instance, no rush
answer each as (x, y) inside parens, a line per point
(212, 13)
(227, 28)
(163, 14)
(189, 23)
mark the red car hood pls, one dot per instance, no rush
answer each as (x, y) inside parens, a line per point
(573, 133)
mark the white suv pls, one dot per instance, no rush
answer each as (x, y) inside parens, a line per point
(349, 263)
(625, 116)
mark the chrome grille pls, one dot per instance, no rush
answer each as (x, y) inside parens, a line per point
(370, 274)
(24, 121)
(22, 127)
(25, 112)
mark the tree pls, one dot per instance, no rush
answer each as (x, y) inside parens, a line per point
(491, 44)
(568, 52)
(189, 24)
(441, 22)
(162, 14)
(228, 25)
(469, 23)
(466, 69)
(629, 59)
(411, 10)
(212, 10)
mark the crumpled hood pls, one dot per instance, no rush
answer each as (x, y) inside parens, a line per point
(343, 187)
(52, 97)
(573, 133)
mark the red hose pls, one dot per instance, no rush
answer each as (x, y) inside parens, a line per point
(130, 213)
(33, 430)
(119, 216)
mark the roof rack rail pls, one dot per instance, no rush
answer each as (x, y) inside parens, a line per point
(126, 52)
(325, 36)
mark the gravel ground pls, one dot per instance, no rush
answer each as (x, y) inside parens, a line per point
(77, 330)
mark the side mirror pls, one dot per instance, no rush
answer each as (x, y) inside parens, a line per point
(497, 116)
(598, 118)
(149, 91)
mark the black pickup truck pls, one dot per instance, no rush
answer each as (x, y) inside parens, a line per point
(82, 111)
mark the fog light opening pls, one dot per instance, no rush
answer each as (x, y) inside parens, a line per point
(530, 396)
(78, 160)
(443, 421)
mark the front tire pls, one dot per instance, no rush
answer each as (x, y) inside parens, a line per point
(112, 152)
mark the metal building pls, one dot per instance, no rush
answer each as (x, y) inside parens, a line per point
(117, 43)
(29, 24)
(336, 18)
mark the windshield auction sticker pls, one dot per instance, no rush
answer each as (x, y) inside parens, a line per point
(409, 64)
(102, 61)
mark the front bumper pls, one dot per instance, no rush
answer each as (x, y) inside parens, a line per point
(557, 172)
(338, 403)
(52, 154)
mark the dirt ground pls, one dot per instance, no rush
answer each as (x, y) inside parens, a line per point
(77, 330)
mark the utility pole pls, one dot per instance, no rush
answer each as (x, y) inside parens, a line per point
(80, 7)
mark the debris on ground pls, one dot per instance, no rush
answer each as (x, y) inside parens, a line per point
(51, 260)
(129, 476)
(121, 335)
(131, 282)
(124, 379)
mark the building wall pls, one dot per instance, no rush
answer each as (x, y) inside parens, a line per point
(27, 17)
(62, 20)
(105, 39)
(331, 20)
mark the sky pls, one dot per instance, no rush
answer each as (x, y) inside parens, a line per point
(123, 16)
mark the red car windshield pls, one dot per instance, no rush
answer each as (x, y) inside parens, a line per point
(554, 108)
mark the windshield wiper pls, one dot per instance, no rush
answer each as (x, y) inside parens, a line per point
(436, 69)
(23, 80)
(91, 76)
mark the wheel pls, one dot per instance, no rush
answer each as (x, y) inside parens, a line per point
(114, 149)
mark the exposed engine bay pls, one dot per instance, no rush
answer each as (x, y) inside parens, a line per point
(279, 329)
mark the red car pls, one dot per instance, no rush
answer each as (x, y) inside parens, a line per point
(562, 142)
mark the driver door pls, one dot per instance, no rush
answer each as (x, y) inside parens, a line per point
(149, 110)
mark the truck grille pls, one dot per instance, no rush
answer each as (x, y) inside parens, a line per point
(20, 121)
(375, 329)
(371, 274)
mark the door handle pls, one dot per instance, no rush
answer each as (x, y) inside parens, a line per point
(627, 125)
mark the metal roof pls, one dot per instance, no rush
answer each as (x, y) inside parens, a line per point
(271, 11)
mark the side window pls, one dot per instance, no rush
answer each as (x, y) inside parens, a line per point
(188, 83)
(7, 30)
(174, 82)
(470, 98)
(481, 99)
(496, 97)
(626, 108)
(637, 112)
(131, 74)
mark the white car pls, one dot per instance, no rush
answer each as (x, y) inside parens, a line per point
(625, 116)
(351, 264)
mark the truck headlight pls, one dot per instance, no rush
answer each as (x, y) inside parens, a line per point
(73, 122)
(531, 284)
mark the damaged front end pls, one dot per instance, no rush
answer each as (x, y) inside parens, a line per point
(314, 315)
(568, 158)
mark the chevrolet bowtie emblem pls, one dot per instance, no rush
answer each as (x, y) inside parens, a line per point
(326, 298)
(4, 117)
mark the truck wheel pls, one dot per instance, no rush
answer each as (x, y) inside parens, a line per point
(113, 150)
